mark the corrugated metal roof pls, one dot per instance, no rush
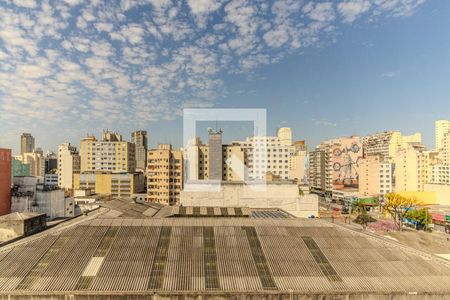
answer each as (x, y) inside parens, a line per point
(215, 254)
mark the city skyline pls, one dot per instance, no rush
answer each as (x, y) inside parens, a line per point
(368, 68)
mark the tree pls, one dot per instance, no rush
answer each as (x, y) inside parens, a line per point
(363, 220)
(398, 206)
(419, 216)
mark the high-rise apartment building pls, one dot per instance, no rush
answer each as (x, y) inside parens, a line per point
(388, 143)
(411, 169)
(298, 162)
(5, 181)
(265, 154)
(233, 163)
(317, 169)
(35, 160)
(140, 140)
(111, 154)
(444, 150)
(215, 159)
(442, 127)
(68, 164)
(197, 162)
(285, 136)
(26, 143)
(335, 164)
(376, 176)
(51, 162)
(164, 175)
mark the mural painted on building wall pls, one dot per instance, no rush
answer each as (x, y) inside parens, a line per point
(347, 155)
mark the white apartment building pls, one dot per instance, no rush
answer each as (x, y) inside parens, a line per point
(442, 127)
(444, 151)
(285, 136)
(388, 143)
(439, 174)
(68, 164)
(265, 154)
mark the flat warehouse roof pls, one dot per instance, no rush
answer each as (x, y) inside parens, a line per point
(212, 256)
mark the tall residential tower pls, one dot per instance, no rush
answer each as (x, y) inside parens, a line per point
(26, 143)
(139, 139)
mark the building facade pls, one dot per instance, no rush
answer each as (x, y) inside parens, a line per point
(140, 140)
(298, 163)
(120, 185)
(5, 181)
(317, 170)
(51, 162)
(164, 175)
(35, 160)
(410, 169)
(444, 150)
(388, 143)
(26, 143)
(111, 154)
(68, 165)
(29, 195)
(376, 176)
(19, 169)
(264, 154)
(334, 165)
(215, 158)
(442, 127)
(285, 136)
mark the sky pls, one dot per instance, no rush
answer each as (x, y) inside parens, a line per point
(324, 68)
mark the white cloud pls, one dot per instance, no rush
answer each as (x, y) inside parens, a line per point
(25, 3)
(104, 26)
(276, 38)
(390, 74)
(202, 8)
(147, 64)
(32, 71)
(322, 11)
(323, 122)
(72, 2)
(350, 10)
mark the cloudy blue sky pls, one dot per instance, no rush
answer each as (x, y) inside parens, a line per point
(324, 68)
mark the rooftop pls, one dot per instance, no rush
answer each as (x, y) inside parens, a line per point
(134, 254)
(19, 216)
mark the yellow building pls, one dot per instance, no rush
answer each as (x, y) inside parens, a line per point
(111, 154)
(442, 192)
(411, 169)
(233, 163)
(423, 198)
(164, 175)
(285, 136)
(117, 185)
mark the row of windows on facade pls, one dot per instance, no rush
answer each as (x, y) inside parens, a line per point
(159, 187)
(150, 179)
(152, 193)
